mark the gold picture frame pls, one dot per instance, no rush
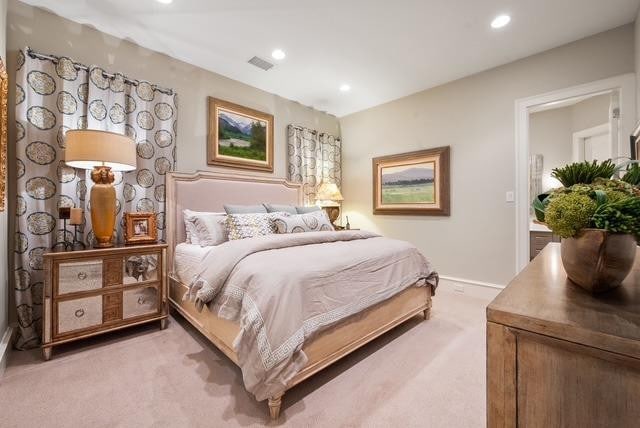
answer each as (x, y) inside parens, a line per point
(140, 228)
(415, 183)
(4, 89)
(239, 137)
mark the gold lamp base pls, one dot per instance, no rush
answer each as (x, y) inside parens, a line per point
(103, 206)
(333, 212)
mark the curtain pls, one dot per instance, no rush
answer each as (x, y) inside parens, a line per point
(535, 177)
(313, 158)
(52, 97)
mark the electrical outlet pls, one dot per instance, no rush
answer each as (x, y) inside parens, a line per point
(510, 196)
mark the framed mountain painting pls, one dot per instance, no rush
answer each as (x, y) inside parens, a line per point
(239, 137)
(415, 183)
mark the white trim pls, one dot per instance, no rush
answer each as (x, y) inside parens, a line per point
(5, 348)
(469, 287)
(624, 84)
(577, 151)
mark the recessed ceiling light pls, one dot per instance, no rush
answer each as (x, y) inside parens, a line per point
(278, 54)
(345, 88)
(164, 1)
(500, 21)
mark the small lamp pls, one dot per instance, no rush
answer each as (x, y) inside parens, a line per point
(102, 152)
(327, 196)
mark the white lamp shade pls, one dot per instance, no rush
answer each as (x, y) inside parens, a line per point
(87, 148)
(329, 192)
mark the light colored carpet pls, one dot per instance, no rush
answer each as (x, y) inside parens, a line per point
(422, 374)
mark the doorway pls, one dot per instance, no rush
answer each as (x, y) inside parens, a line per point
(605, 139)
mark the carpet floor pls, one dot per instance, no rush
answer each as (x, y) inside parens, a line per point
(421, 374)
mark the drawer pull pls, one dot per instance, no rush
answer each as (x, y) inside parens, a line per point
(82, 276)
(141, 300)
(79, 313)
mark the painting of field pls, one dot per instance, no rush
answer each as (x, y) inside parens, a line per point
(241, 136)
(408, 184)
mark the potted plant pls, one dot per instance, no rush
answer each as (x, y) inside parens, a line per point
(598, 218)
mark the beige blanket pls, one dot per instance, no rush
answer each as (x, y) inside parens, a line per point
(282, 289)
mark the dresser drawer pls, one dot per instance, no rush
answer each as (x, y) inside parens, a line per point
(79, 276)
(79, 314)
(140, 301)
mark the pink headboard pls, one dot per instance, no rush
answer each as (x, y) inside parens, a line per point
(209, 191)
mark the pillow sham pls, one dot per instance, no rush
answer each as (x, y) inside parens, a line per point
(274, 208)
(245, 209)
(306, 210)
(205, 228)
(242, 226)
(315, 221)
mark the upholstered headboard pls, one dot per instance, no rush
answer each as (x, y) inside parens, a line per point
(209, 191)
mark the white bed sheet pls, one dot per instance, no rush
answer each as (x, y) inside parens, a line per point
(188, 261)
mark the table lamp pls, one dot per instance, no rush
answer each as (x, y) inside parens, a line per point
(328, 197)
(102, 152)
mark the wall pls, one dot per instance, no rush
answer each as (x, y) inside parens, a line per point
(48, 33)
(551, 132)
(550, 135)
(475, 116)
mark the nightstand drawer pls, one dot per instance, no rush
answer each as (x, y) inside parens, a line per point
(79, 276)
(79, 314)
(140, 301)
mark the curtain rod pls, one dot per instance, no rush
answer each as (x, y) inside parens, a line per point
(55, 59)
(312, 131)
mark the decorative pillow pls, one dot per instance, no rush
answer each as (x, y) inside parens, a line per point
(305, 210)
(204, 228)
(272, 208)
(315, 221)
(241, 226)
(245, 209)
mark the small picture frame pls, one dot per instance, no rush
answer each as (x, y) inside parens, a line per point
(140, 228)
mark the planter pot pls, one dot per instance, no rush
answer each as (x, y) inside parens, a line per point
(598, 260)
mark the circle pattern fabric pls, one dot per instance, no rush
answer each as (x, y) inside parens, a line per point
(51, 99)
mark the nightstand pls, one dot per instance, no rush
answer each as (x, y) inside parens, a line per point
(94, 291)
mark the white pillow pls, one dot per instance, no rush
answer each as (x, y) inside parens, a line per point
(315, 221)
(205, 228)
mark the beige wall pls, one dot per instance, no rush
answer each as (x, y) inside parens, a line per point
(49, 33)
(551, 132)
(4, 290)
(550, 135)
(475, 116)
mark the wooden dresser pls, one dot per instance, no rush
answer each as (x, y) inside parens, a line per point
(94, 291)
(559, 357)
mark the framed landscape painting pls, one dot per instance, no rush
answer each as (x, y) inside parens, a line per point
(239, 137)
(415, 183)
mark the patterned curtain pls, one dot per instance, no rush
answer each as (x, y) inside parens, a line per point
(312, 158)
(52, 97)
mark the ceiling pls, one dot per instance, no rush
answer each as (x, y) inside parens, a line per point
(383, 49)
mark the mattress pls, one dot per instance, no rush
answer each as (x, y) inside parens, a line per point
(188, 260)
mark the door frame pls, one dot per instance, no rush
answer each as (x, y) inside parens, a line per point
(580, 136)
(624, 85)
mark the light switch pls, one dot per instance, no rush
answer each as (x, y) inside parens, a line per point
(510, 197)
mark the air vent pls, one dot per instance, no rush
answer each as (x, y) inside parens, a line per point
(260, 63)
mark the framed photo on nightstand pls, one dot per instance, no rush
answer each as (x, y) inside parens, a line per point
(140, 228)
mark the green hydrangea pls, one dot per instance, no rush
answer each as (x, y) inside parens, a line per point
(567, 213)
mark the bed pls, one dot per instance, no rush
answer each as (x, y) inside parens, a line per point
(208, 191)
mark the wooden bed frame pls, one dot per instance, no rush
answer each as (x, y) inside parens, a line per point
(186, 191)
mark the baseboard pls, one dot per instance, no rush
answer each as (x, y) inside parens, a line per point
(469, 287)
(5, 347)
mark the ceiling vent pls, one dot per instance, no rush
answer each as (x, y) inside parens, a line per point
(260, 63)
